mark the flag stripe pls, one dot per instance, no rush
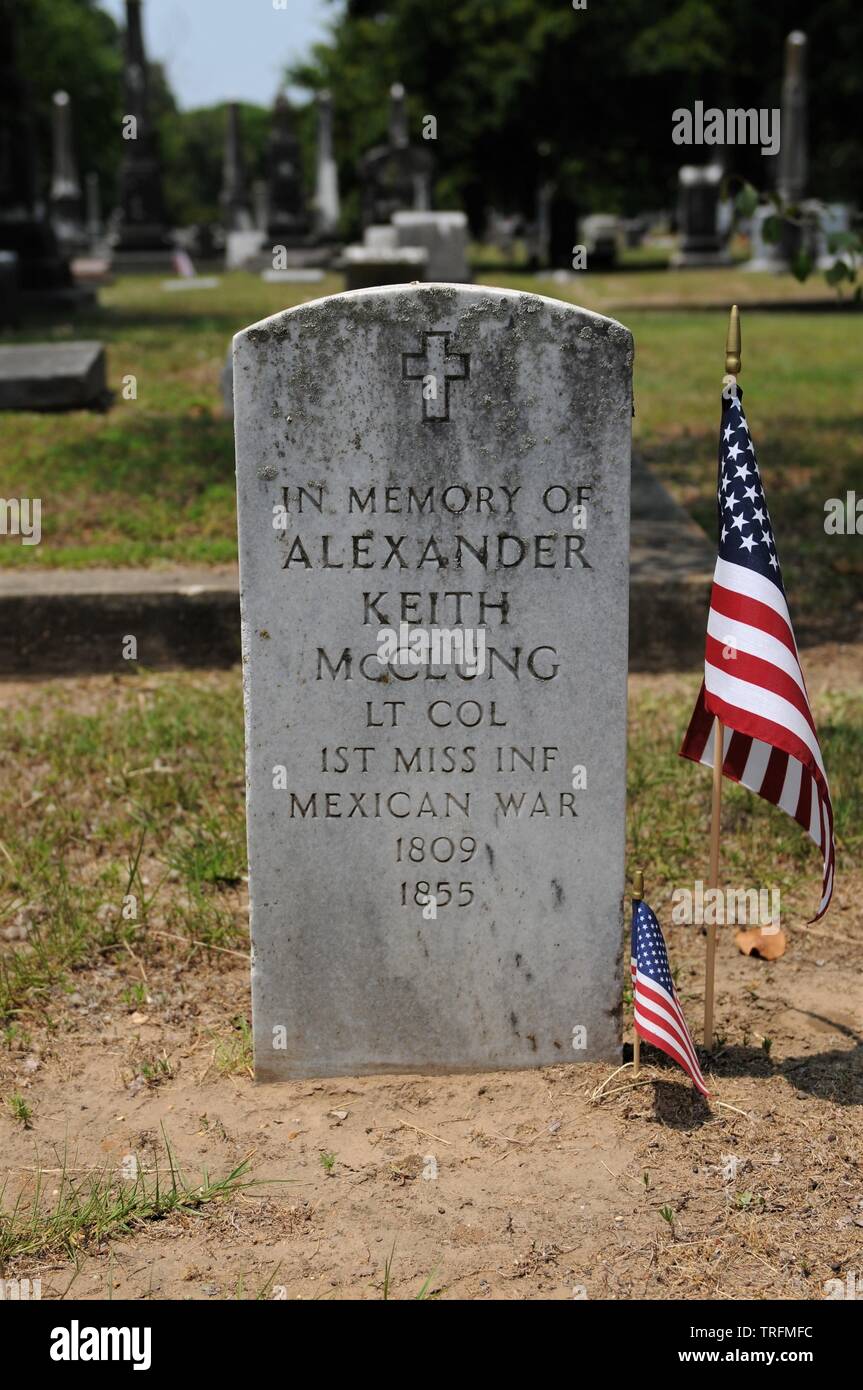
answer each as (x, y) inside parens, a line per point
(659, 1038)
(658, 1016)
(651, 999)
(753, 680)
(763, 706)
(753, 612)
(754, 641)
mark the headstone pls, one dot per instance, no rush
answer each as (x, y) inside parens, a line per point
(260, 204)
(93, 201)
(66, 198)
(435, 851)
(635, 230)
(791, 167)
(9, 292)
(501, 231)
(293, 275)
(833, 220)
(233, 198)
(141, 237)
(365, 266)
(53, 376)
(384, 238)
(243, 249)
(444, 235)
(600, 233)
(327, 206)
(701, 243)
(289, 223)
(395, 177)
(289, 240)
(539, 238)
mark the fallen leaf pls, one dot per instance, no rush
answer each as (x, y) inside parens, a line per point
(769, 945)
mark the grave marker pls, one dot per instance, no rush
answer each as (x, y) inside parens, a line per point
(434, 887)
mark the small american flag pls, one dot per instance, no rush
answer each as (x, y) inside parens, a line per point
(752, 677)
(184, 265)
(658, 1016)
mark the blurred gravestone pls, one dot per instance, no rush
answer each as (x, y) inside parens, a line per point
(395, 176)
(701, 241)
(141, 237)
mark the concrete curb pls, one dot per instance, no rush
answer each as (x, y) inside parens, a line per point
(66, 622)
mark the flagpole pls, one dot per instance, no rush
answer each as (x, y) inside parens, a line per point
(713, 877)
(637, 895)
(732, 367)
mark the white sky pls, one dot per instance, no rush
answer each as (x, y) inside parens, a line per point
(223, 50)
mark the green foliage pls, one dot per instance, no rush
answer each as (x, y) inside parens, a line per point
(846, 246)
(193, 148)
(522, 90)
(75, 46)
(88, 1210)
(526, 88)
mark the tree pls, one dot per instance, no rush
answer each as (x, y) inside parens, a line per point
(74, 46)
(519, 87)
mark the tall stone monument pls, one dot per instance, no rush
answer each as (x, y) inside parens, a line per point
(395, 177)
(327, 206)
(289, 223)
(701, 241)
(791, 167)
(93, 203)
(433, 490)
(234, 198)
(141, 237)
(66, 199)
(793, 159)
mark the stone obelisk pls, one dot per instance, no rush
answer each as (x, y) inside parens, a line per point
(327, 207)
(141, 238)
(234, 199)
(66, 197)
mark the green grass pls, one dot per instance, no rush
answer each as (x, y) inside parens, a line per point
(668, 801)
(88, 801)
(151, 482)
(86, 819)
(20, 1111)
(91, 1209)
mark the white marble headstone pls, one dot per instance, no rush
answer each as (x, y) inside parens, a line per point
(435, 850)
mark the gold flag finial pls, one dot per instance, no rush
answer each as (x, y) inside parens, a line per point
(732, 343)
(638, 884)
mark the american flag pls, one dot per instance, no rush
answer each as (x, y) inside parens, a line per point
(752, 677)
(658, 1016)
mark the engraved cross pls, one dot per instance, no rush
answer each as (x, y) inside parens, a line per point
(435, 367)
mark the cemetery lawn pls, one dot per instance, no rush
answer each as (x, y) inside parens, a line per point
(124, 1031)
(151, 482)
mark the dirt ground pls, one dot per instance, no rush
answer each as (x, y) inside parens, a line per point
(567, 1182)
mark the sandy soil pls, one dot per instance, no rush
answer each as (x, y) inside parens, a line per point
(523, 1185)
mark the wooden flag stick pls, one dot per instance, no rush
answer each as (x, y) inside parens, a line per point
(638, 894)
(733, 364)
(715, 822)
